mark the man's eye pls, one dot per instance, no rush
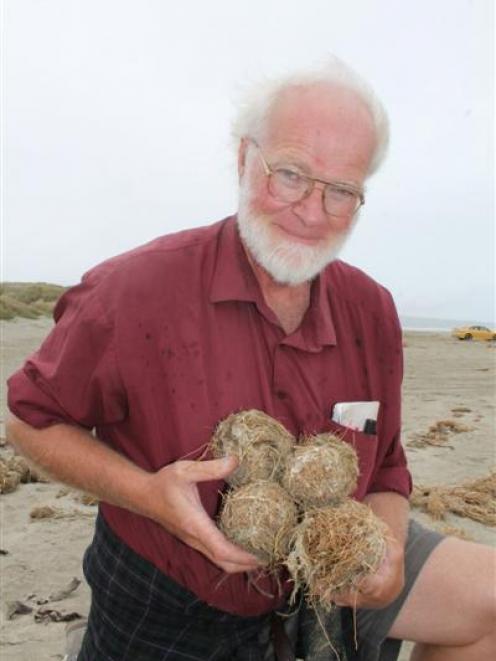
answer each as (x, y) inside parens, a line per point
(289, 176)
(340, 193)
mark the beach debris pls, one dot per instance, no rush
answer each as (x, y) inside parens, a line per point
(461, 409)
(454, 531)
(9, 479)
(87, 499)
(260, 443)
(63, 492)
(14, 470)
(27, 471)
(45, 614)
(474, 499)
(65, 592)
(334, 548)
(47, 512)
(260, 517)
(79, 496)
(15, 608)
(322, 470)
(4, 552)
(438, 434)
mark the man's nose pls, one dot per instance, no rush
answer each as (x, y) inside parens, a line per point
(311, 208)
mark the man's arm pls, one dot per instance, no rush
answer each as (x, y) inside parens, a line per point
(170, 496)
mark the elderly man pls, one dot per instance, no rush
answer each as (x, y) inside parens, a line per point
(154, 347)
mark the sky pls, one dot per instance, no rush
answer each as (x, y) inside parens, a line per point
(116, 129)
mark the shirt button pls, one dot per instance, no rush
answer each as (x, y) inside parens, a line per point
(281, 394)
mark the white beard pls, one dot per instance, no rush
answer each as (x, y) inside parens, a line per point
(288, 262)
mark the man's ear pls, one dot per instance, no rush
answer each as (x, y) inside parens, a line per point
(242, 151)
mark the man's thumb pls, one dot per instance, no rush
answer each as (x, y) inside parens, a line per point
(214, 469)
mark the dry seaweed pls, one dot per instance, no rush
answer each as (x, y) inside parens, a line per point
(14, 470)
(260, 443)
(438, 434)
(454, 531)
(475, 499)
(46, 512)
(260, 517)
(9, 479)
(323, 470)
(334, 548)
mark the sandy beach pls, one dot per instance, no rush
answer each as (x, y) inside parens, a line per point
(449, 400)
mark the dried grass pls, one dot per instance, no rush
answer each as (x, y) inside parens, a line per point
(438, 434)
(260, 517)
(454, 531)
(260, 443)
(15, 470)
(323, 470)
(9, 479)
(334, 548)
(475, 499)
(47, 512)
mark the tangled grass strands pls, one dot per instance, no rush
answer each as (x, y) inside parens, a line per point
(334, 548)
(260, 444)
(15, 470)
(326, 636)
(321, 471)
(474, 499)
(260, 517)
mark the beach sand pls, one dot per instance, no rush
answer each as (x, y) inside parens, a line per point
(445, 379)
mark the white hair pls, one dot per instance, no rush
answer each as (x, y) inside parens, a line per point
(257, 102)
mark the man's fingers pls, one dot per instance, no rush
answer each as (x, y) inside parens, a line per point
(212, 469)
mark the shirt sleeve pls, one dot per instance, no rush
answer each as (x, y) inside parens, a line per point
(73, 378)
(391, 472)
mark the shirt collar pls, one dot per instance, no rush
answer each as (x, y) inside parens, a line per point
(234, 280)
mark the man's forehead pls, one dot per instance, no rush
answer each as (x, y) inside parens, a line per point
(322, 120)
(319, 105)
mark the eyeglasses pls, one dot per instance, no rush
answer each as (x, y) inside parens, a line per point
(288, 185)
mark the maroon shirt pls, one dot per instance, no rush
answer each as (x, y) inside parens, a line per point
(155, 346)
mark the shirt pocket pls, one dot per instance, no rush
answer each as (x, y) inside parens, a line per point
(365, 445)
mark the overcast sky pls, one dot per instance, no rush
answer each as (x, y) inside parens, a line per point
(116, 119)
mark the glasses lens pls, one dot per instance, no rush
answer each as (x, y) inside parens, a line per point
(340, 201)
(288, 185)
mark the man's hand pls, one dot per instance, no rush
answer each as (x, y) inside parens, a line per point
(169, 496)
(381, 588)
(178, 508)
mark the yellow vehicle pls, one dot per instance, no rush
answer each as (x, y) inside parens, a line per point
(474, 333)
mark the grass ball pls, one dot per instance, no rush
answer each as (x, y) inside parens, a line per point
(260, 444)
(260, 517)
(334, 548)
(323, 470)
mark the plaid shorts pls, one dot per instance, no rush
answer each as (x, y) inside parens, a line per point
(139, 614)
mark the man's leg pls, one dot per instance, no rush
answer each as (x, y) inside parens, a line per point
(451, 609)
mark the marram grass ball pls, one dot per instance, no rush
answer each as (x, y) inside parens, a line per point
(334, 548)
(260, 443)
(323, 470)
(260, 517)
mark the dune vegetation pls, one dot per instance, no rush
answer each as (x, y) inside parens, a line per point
(28, 299)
